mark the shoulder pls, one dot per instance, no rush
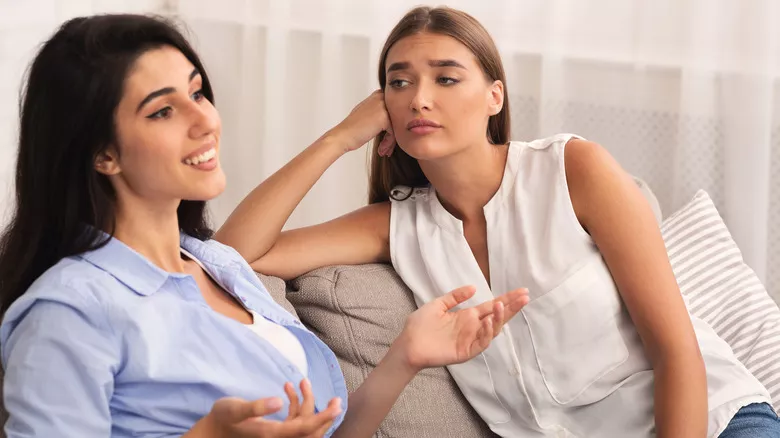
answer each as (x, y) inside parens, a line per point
(589, 163)
(70, 293)
(596, 181)
(73, 282)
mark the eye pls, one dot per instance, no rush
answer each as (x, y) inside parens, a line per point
(447, 81)
(198, 96)
(398, 83)
(162, 114)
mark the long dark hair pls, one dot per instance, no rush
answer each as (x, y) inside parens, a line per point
(400, 168)
(74, 84)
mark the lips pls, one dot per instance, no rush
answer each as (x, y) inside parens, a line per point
(422, 123)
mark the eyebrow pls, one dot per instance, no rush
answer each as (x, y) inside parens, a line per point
(433, 63)
(163, 91)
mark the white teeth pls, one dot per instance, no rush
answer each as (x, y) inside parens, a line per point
(202, 158)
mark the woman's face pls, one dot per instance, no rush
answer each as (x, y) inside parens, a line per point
(167, 134)
(438, 98)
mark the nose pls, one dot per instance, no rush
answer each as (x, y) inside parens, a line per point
(204, 119)
(421, 100)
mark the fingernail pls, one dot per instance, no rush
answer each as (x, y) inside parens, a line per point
(338, 410)
(274, 403)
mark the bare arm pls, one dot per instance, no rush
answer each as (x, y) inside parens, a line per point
(253, 228)
(358, 237)
(433, 336)
(612, 209)
(255, 224)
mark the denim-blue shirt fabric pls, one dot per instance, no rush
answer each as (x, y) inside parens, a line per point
(107, 344)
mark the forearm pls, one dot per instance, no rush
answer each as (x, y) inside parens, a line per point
(371, 403)
(254, 226)
(681, 397)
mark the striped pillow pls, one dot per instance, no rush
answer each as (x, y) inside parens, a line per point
(720, 289)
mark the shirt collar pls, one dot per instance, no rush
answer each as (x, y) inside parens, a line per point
(127, 266)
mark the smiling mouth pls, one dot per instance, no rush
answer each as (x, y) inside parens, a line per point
(202, 158)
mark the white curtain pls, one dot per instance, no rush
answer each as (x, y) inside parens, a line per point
(685, 93)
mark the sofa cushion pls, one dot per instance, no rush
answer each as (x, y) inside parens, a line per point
(720, 289)
(358, 311)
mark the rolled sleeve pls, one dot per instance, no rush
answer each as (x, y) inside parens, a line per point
(60, 363)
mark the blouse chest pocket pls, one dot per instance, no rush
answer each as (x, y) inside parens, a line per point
(575, 333)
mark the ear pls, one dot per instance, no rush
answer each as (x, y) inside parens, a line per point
(495, 97)
(106, 162)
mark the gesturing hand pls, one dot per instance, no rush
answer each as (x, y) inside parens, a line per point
(436, 336)
(233, 417)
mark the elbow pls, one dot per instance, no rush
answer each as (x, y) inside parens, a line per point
(266, 266)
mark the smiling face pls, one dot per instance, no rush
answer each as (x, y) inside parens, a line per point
(437, 95)
(167, 134)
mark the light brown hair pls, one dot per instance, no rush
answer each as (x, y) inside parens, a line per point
(400, 168)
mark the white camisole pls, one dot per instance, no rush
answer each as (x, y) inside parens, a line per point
(275, 334)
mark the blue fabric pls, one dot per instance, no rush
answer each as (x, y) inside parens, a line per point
(107, 344)
(757, 420)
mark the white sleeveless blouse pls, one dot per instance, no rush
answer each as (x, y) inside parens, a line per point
(571, 364)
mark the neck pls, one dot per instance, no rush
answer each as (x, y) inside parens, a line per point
(152, 231)
(467, 180)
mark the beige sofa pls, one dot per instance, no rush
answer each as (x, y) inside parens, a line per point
(358, 311)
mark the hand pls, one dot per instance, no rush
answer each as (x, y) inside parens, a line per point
(435, 336)
(367, 120)
(233, 417)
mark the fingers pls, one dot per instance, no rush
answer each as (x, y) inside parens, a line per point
(516, 299)
(230, 410)
(502, 313)
(323, 430)
(512, 301)
(312, 425)
(334, 409)
(486, 333)
(456, 297)
(307, 408)
(386, 146)
(498, 319)
(295, 406)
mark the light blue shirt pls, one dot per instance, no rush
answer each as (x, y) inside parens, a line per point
(107, 344)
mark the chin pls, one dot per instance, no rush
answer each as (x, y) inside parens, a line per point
(209, 189)
(426, 148)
